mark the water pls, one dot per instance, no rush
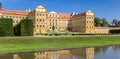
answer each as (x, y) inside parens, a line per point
(105, 52)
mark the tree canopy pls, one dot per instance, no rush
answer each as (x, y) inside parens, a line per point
(24, 28)
(101, 22)
(115, 22)
(6, 27)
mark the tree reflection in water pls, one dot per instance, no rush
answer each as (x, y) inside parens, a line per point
(101, 49)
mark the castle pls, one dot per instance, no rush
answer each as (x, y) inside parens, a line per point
(47, 21)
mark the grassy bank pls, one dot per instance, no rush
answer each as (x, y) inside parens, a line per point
(18, 44)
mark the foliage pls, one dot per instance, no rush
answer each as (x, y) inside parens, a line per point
(97, 21)
(24, 28)
(104, 22)
(6, 27)
(115, 22)
(101, 22)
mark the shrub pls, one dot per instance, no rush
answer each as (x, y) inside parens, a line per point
(6, 27)
(24, 28)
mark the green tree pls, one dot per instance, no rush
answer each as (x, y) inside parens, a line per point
(104, 22)
(6, 27)
(26, 27)
(119, 23)
(115, 22)
(97, 21)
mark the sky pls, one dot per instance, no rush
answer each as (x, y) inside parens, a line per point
(109, 9)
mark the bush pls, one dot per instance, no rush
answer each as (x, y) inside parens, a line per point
(6, 27)
(24, 28)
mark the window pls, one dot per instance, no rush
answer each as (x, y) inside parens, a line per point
(37, 25)
(43, 26)
(10, 16)
(43, 20)
(37, 14)
(6, 16)
(16, 16)
(40, 26)
(37, 19)
(16, 21)
(40, 14)
(13, 16)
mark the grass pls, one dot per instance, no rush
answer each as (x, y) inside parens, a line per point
(20, 44)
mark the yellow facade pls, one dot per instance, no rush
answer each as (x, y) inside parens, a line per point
(52, 21)
(83, 22)
(102, 30)
(47, 21)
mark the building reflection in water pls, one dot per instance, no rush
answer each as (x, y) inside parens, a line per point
(62, 54)
(16, 56)
(89, 53)
(82, 53)
(78, 53)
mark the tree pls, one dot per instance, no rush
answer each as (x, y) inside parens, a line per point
(6, 27)
(119, 23)
(115, 22)
(97, 21)
(26, 27)
(104, 22)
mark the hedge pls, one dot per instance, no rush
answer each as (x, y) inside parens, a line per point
(24, 28)
(6, 27)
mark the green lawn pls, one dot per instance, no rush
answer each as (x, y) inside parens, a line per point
(19, 44)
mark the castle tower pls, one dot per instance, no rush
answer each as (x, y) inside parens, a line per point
(89, 22)
(40, 20)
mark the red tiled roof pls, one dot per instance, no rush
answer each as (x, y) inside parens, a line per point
(64, 15)
(16, 12)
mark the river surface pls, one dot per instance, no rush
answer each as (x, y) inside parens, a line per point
(104, 52)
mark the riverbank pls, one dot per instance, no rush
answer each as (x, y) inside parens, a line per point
(22, 44)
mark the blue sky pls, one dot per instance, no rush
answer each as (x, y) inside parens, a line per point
(109, 9)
